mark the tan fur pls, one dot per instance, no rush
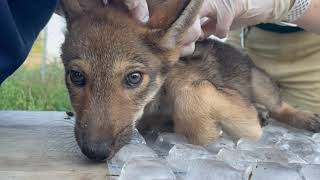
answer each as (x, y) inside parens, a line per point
(213, 89)
(104, 45)
(199, 104)
(296, 118)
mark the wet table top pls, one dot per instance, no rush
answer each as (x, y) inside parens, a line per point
(41, 145)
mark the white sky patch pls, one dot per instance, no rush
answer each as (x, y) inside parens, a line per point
(56, 28)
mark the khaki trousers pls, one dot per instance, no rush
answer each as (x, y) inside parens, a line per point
(292, 59)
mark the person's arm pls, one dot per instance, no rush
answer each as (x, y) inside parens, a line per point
(310, 21)
(224, 15)
(20, 22)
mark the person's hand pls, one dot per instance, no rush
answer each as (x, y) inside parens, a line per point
(221, 16)
(224, 15)
(217, 17)
(193, 34)
(138, 9)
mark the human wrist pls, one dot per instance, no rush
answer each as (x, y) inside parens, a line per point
(281, 10)
(266, 11)
(298, 9)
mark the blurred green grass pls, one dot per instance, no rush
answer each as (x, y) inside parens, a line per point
(26, 91)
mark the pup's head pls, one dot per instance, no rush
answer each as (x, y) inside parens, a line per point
(114, 65)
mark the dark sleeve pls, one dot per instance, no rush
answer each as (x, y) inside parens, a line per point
(20, 23)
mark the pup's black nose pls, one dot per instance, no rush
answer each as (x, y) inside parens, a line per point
(96, 152)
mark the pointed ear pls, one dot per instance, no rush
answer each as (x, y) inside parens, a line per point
(72, 9)
(170, 20)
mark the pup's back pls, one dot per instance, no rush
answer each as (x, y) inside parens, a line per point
(222, 65)
(219, 87)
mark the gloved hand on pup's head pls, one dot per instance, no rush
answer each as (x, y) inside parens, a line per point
(139, 10)
(217, 17)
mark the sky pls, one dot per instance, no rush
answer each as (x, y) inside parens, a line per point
(55, 38)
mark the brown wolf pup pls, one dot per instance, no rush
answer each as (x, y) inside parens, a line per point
(119, 71)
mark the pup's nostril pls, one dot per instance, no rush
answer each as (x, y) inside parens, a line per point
(96, 152)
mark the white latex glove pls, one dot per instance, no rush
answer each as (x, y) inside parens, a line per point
(193, 34)
(138, 8)
(224, 15)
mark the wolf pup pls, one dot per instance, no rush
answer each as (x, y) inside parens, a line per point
(120, 72)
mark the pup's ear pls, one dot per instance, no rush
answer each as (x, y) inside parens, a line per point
(72, 9)
(170, 20)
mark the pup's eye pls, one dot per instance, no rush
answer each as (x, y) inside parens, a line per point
(133, 79)
(77, 78)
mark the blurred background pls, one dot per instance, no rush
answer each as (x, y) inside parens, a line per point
(39, 83)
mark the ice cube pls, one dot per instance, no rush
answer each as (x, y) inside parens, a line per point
(316, 137)
(130, 151)
(272, 134)
(136, 138)
(296, 136)
(171, 138)
(150, 136)
(239, 159)
(275, 155)
(284, 128)
(126, 153)
(146, 169)
(211, 170)
(274, 171)
(299, 131)
(295, 158)
(250, 145)
(180, 155)
(276, 127)
(222, 142)
(242, 159)
(313, 158)
(166, 141)
(298, 145)
(269, 138)
(310, 172)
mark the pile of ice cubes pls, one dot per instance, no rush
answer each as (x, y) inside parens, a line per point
(283, 153)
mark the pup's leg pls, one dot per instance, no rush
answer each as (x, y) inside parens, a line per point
(297, 118)
(200, 110)
(192, 112)
(238, 117)
(267, 93)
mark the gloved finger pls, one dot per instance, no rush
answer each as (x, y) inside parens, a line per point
(208, 28)
(187, 50)
(223, 26)
(193, 33)
(220, 20)
(208, 9)
(139, 9)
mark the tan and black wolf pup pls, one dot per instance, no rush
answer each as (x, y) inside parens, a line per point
(120, 72)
